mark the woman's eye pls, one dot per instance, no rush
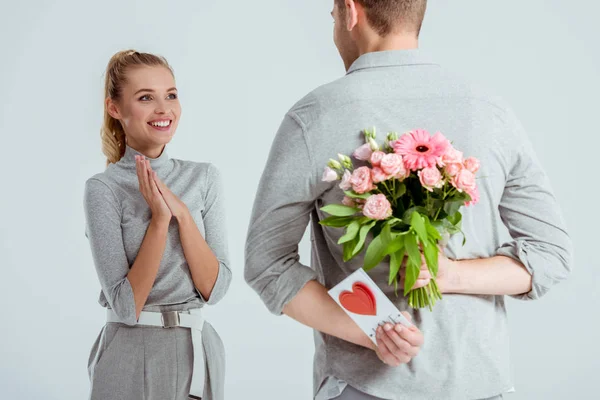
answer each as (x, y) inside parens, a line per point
(172, 96)
(145, 97)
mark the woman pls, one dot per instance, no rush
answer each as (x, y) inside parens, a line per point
(156, 229)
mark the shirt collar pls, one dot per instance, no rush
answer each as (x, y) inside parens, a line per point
(128, 159)
(390, 58)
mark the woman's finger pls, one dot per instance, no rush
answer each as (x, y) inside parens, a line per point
(153, 185)
(147, 189)
(141, 176)
(161, 186)
(148, 174)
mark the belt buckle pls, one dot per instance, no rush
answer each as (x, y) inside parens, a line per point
(170, 319)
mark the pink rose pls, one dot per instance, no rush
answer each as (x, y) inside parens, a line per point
(378, 175)
(464, 180)
(361, 180)
(376, 158)
(453, 168)
(430, 178)
(346, 185)
(403, 173)
(347, 201)
(474, 193)
(363, 153)
(472, 164)
(392, 164)
(377, 207)
(451, 156)
(329, 175)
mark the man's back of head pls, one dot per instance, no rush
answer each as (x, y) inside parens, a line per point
(364, 26)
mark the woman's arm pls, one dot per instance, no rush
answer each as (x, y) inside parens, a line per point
(143, 272)
(203, 264)
(207, 258)
(126, 289)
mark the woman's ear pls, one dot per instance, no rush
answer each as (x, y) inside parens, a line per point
(113, 109)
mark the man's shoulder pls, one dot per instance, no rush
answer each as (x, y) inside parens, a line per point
(320, 100)
(351, 88)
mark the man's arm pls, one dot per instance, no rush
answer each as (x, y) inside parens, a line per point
(284, 200)
(540, 252)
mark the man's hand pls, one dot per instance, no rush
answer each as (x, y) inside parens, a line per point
(397, 344)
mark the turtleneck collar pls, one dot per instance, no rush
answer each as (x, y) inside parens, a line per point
(128, 159)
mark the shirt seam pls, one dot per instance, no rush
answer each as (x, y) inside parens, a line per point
(207, 184)
(390, 66)
(303, 128)
(113, 193)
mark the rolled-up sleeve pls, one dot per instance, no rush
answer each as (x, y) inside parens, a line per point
(103, 230)
(281, 213)
(531, 213)
(214, 221)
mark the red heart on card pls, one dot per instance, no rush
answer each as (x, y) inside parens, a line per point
(360, 300)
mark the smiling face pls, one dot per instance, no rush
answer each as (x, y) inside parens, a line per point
(148, 108)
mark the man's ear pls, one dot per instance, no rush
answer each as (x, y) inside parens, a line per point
(351, 14)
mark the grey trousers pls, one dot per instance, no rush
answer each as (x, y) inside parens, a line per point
(141, 363)
(350, 393)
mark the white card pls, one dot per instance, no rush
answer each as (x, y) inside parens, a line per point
(366, 304)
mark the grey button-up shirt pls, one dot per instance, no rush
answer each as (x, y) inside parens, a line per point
(466, 350)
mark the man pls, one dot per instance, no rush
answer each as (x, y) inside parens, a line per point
(394, 86)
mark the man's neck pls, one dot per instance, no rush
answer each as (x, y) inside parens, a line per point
(391, 42)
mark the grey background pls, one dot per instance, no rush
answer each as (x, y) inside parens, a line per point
(239, 66)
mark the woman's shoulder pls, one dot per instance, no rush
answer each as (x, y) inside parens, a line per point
(203, 169)
(101, 182)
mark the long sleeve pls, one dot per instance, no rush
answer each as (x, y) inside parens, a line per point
(103, 230)
(532, 215)
(281, 212)
(216, 234)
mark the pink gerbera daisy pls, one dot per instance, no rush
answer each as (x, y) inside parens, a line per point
(419, 149)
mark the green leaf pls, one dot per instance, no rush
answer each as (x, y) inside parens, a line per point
(431, 257)
(352, 194)
(455, 219)
(351, 232)
(348, 249)
(337, 222)
(362, 235)
(433, 233)
(376, 250)
(400, 190)
(408, 214)
(418, 225)
(395, 263)
(452, 207)
(386, 233)
(339, 210)
(413, 264)
(396, 244)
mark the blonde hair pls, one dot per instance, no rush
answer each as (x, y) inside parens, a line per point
(112, 133)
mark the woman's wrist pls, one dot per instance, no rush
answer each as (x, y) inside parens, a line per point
(160, 221)
(184, 217)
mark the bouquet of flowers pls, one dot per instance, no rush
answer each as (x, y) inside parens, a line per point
(407, 195)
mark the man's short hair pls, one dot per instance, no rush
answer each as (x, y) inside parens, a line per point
(387, 16)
